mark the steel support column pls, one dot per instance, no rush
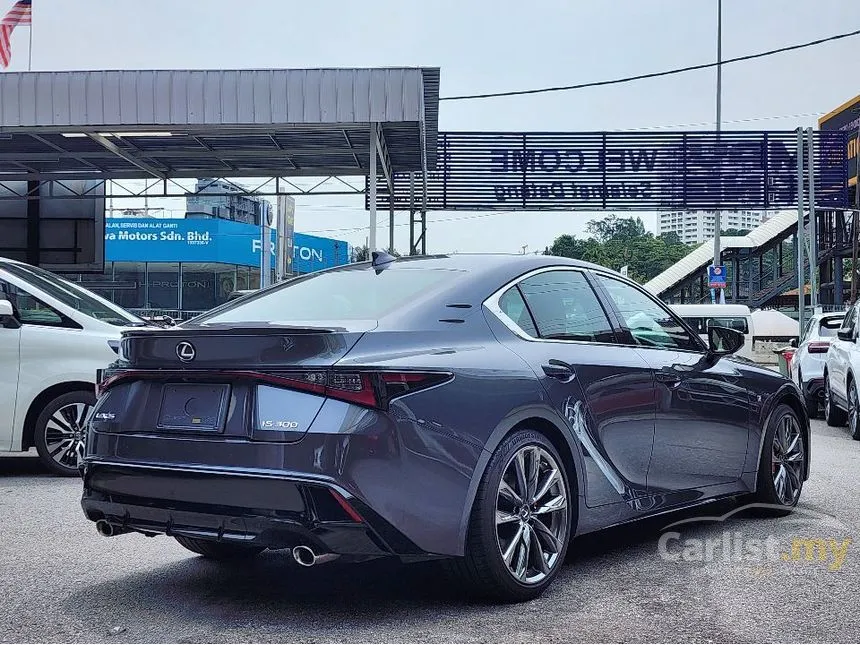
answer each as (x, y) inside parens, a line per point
(371, 170)
(799, 243)
(813, 220)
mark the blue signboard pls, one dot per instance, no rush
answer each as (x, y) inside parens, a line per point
(623, 171)
(717, 277)
(144, 239)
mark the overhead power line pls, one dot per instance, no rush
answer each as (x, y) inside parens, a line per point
(640, 77)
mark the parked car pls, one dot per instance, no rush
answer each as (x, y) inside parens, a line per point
(480, 409)
(807, 361)
(53, 336)
(841, 371)
(702, 317)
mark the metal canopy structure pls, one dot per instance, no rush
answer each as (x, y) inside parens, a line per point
(66, 135)
(241, 123)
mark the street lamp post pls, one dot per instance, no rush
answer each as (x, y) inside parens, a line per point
(717, 217)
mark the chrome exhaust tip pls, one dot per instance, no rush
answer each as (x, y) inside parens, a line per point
(105, 528)
(305, 556)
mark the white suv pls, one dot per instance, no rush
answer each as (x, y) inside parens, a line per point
(807, 364)
(842, 369)
(54, 335)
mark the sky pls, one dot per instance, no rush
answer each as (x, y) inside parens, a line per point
(486, 46)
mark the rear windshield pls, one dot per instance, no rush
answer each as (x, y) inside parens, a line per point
(344, 294)
(829, 327)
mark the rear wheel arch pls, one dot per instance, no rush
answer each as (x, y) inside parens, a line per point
(43, 399)
(789, 398)
(549, 426)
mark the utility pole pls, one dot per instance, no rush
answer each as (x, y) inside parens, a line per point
(717, 214)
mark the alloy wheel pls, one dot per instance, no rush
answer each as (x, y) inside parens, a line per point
(787, 460)
(64, 434)
(826, 397)
(531, 514)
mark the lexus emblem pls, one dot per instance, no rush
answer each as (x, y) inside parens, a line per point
(185, 351)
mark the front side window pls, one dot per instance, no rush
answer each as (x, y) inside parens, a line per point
(650, 324)
(738, 324)
(565, 307)
(29, 309)
(73, 295)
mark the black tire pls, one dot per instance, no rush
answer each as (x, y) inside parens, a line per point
(218, 550)
(810, 402)
(482, 571)
(834, 417)
(770, 461)
(59, 433)
(853, 410)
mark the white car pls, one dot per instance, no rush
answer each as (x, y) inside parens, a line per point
(841, 373)
(54, 335)
(807, 364)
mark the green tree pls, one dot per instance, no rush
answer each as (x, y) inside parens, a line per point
(615, 242)
(739, 232)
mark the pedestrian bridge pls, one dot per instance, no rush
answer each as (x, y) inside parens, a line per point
(762, 265)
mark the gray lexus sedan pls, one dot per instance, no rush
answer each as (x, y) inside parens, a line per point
(479, 409)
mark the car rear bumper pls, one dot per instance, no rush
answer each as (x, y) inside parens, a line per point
(814, 389)
(268, 511)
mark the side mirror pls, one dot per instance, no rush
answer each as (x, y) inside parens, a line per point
(723, 341)
(7, 315)
(792, 342)
(845, 334)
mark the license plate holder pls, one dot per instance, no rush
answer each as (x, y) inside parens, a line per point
(194, 407)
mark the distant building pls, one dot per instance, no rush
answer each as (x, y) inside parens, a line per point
(238, 207)
(696, 227)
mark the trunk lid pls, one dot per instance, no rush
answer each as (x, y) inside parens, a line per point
(245, 347)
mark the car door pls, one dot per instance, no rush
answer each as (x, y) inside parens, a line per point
(10, 348)
(604, 391)
(703, 406)
(839, 357)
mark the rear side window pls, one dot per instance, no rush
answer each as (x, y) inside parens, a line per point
(565, 307)
(514, 307)
(348, 294)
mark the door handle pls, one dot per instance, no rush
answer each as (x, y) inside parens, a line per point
(560, 370)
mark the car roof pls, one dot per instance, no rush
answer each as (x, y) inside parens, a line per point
(476, 262)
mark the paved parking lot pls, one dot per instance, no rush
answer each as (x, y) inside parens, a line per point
(62, 582)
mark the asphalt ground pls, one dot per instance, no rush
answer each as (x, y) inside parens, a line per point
(61, 582)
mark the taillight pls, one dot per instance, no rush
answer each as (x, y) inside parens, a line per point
(367, 388)
(818, 347)
(370, 389)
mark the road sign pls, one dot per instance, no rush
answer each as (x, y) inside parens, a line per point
(717, 277)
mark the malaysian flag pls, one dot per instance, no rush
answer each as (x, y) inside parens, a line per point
(20, 14)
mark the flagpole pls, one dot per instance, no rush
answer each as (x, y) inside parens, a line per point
(30, 49)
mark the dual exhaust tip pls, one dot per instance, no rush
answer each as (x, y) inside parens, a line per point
(303, 555)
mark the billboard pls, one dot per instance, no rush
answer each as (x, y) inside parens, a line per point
(623, 171)
(145, 239)
(57, 231)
